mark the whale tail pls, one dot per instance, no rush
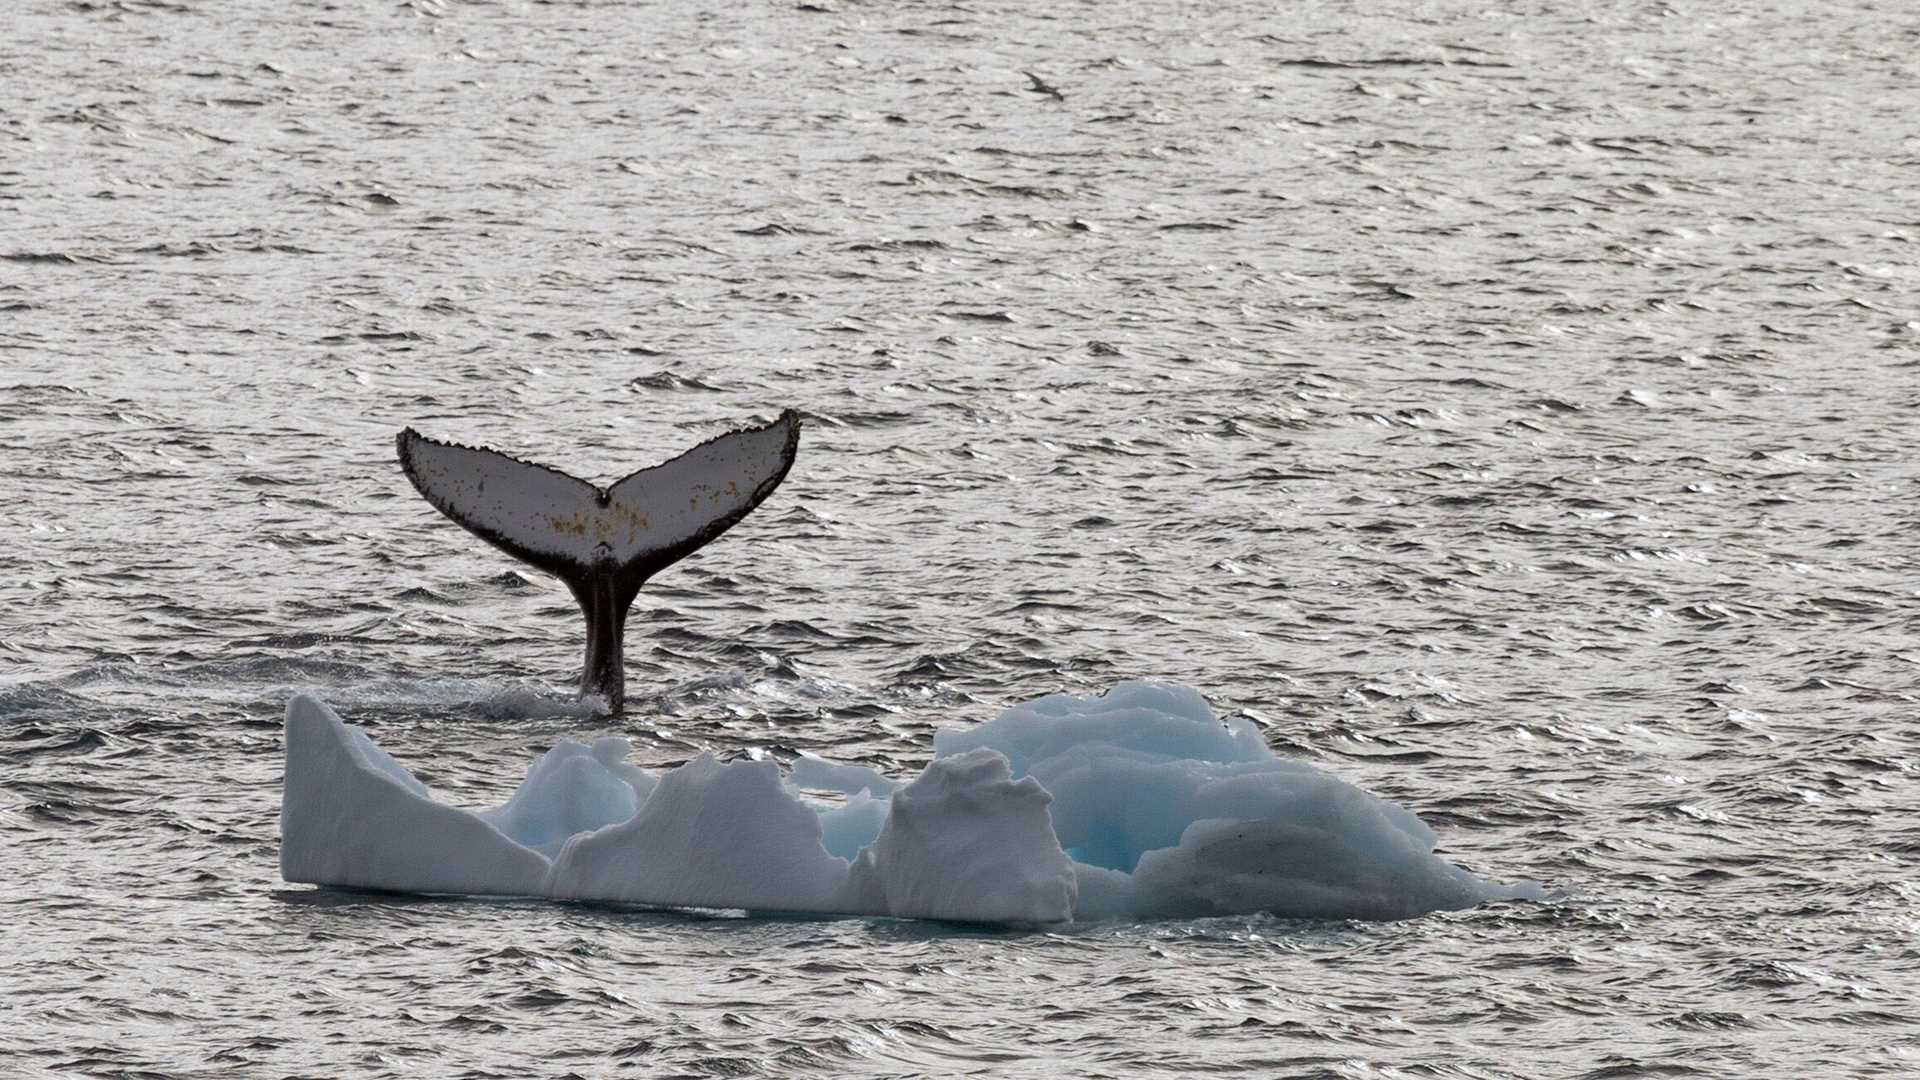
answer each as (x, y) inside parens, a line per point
(603, 542)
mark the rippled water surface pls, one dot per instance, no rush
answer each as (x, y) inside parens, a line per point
(1509, 407)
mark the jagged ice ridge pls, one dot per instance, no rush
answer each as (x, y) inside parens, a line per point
(1137, 803)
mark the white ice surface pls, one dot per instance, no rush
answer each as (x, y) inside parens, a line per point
(1136, 803)
(351, 815)
(712, 835)
(966, 841)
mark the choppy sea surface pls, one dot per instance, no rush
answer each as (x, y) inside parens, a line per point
(1510, 407)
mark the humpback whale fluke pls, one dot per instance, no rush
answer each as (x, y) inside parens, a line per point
(603, 542)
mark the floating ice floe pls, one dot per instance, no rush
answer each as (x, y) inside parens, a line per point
(1137, 803)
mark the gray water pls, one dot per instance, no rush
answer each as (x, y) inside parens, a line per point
(1509, 407)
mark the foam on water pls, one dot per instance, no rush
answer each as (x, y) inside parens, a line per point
(1139, 798)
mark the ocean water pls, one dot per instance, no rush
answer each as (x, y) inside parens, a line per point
(1509, 407)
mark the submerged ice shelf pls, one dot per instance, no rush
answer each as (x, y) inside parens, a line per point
(1135, 803)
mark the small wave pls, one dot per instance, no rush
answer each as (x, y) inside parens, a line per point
(673, 382)
(53, 258)
(774, 228)
(897, 245)
(43, 391)
(41, 698)
(50, 743)
(791, 630)
(941, 666)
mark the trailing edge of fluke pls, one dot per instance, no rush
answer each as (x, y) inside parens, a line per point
(603, 542)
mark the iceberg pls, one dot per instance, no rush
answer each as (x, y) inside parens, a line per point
(1137, 803)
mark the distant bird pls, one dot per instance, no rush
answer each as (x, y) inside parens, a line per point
(1042, 86)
